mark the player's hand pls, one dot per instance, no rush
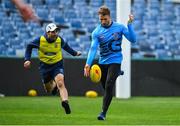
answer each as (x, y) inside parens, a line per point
(27, 64)
(131, 18)
(86, 70)
(78, 53)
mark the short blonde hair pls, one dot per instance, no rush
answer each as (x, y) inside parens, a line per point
(104, 10)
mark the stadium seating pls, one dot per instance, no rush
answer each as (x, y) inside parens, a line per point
(157, 28)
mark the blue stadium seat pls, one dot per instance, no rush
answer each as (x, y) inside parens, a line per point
(8, 5)
(96, 3)
(10, 52)
(2, 49)
(38, 32)
(24, 35)
(70, 14)
(80, 4)
(163, 54)
(84, 38)
(76, 24)
(53, 12)
(157, 24)
(52, 3)
(36, 2)
(42, 13)
(66, 3)
(59, 19)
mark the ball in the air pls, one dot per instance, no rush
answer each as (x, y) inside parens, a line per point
(32, 92)
(95, 73)
(91, 94)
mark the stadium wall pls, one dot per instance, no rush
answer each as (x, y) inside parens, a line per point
(149, 78)
(155, 78)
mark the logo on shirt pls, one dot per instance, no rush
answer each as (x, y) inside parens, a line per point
(101, 37)
(56, 45)
(115, 36)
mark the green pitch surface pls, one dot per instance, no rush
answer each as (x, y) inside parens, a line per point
(47, 111)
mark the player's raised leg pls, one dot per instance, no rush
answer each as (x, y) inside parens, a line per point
(59, 79)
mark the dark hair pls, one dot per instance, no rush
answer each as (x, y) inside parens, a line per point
(103, 10)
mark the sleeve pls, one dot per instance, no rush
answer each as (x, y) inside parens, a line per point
(34, 44)
(129, 33)
(67, 48)
(92, 50)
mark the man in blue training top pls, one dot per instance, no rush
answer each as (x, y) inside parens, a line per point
(51, 62)
(108, 37)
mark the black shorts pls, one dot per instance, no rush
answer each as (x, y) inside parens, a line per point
(49, 72)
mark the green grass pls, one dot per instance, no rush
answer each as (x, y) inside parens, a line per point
(47, 111)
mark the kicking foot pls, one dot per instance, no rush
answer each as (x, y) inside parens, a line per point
(66, 107)
(101, 116)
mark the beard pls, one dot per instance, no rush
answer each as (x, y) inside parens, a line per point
(107, 24)
(53, 37)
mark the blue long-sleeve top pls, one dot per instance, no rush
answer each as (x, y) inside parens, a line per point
(109, 40)
(36, 43)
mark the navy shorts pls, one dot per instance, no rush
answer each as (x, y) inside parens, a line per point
(49, 72)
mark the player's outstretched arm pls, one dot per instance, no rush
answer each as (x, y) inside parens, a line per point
(25, 10)
(129, 32)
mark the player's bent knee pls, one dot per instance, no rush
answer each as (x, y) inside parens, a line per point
(60, 83)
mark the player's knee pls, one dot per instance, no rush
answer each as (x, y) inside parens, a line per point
(60, 83)
(110, 84)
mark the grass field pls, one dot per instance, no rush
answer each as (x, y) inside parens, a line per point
(47, 111)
